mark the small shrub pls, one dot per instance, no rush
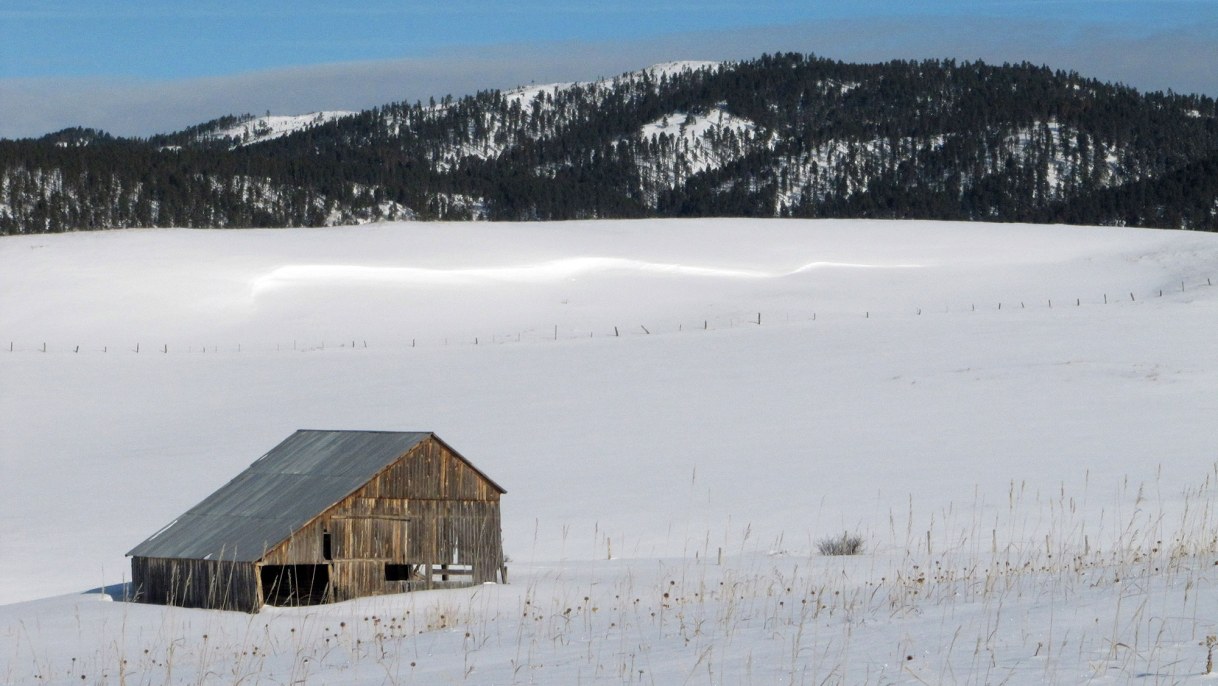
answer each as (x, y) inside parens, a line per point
(845, 544)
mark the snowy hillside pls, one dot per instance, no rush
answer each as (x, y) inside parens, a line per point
(271, 126)
(1013, 417)
(496, 133)
(781, 136)
(525, 95)
(695, 144)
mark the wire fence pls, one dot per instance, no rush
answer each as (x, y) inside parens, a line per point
(559, 333)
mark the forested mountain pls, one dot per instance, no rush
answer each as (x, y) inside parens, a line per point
(782, 135)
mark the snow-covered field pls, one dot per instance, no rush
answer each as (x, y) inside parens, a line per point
(1016, 419)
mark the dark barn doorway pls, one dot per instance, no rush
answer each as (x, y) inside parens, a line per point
(291, 585)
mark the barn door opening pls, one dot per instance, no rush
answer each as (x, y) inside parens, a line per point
(288, 585)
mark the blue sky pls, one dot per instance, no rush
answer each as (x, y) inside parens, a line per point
(136, 68)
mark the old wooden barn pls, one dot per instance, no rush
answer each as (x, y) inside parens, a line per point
(328, 516)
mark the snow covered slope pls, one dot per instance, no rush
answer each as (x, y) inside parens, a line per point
(694, 143)
(524, 95)
(536, 105)
(1013, 417)
(272, 126)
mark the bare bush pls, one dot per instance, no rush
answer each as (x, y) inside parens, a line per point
(845, 544)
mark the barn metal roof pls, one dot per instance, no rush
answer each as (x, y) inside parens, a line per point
(280, 492)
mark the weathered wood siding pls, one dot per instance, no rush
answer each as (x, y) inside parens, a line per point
(220, 585)
(430, 508)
